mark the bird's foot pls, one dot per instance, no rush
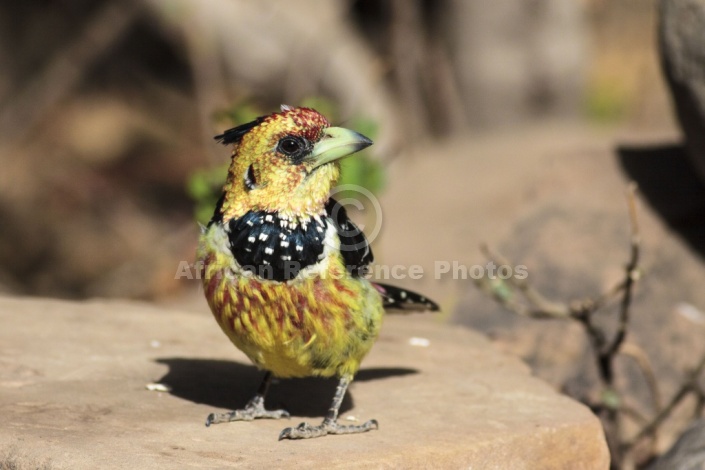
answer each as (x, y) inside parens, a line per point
(306, 431)
(253, 410)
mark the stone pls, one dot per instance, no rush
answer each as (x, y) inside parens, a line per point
(688, 453)
(74, 380)
(552, 198)
(681, 39)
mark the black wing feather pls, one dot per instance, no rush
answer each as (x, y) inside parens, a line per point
(395, 298)
(354, 247)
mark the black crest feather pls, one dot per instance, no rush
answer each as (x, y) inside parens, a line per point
(234, 135)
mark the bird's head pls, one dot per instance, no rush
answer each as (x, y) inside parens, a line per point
(286, 162)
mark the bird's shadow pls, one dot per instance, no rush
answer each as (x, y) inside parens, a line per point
(670, 184)
(230, 385)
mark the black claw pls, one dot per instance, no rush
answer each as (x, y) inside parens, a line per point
(373, 422)
(210, 419)
(290, 433)
(285, 434)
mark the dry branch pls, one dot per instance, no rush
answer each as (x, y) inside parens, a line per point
(520, 297)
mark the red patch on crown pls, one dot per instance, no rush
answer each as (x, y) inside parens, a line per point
(310, 121)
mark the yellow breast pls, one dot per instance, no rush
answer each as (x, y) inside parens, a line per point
(321, 323)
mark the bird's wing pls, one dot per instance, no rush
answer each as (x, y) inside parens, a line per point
(395, 298)
(354, 247)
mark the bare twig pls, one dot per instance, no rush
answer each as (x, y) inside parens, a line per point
(611, 407)
(539, 306)
(601, 301)
(605, 349)
(700, 404)
(690, 385)
(595, 335)
(641, 359)
(634, 414)
(631, 276)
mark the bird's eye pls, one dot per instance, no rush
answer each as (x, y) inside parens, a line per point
(292, 147)
(289, 146)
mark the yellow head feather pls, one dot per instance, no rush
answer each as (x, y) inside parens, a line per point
(269, 170)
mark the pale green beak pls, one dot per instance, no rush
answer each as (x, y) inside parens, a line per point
(337, 142)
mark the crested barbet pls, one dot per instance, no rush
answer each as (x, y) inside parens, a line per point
(284, 268)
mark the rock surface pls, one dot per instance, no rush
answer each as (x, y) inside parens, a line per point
(681, 37)
(73, 380)
(553, 199)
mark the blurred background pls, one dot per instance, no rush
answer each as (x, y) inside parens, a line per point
(516, 123)
(108, 108)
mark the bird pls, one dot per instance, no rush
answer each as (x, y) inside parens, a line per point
(285, 270)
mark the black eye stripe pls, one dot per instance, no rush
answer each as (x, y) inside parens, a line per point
(250, 180)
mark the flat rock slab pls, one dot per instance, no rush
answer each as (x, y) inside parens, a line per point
(73, 394)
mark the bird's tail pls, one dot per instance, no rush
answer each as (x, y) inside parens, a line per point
(402, 300)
